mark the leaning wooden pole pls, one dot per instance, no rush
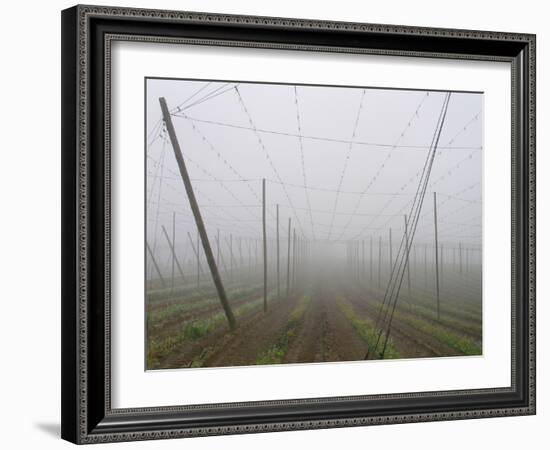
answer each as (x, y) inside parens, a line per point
(197, 214)
(264, 232)
(436, 255)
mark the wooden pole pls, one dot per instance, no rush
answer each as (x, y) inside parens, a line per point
(278, 259)
(436, 255)
(197, 214)
(264, 230)
(288, 262)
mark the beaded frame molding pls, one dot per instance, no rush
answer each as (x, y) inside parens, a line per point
(87, 35)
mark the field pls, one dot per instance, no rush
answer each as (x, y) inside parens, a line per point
(328, 316)
(291, 224)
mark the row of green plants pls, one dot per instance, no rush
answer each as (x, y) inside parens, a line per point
(462, 344)
(159, 349)
(157, 316)
(366, 329)
(276, 353)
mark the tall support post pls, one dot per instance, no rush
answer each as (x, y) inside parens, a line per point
(278, 259)
(264, 232)
(288, 262)
(173, 253)
(436, 255)
(407, 255)
(197, 214)
(161, 278)
(379, 259)
(173, 250)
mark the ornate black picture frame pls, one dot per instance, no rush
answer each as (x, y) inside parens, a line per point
(87, 35)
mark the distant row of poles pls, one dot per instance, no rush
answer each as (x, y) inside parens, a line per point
(462, 257)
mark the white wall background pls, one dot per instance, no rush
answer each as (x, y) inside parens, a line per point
(30, 223)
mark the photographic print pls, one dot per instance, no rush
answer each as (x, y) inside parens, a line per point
(290, 223)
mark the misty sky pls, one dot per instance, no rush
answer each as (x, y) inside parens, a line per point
(360, 155)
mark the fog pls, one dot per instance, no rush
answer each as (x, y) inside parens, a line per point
(343, 164)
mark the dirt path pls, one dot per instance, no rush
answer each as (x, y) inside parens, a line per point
(331, 320)
(325, 334)
(254, 336)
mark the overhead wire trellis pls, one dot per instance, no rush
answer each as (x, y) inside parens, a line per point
(359, 203)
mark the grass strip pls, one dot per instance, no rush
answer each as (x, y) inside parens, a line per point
(276, 353)
(157, 350)
(365, 328)
(464, 345)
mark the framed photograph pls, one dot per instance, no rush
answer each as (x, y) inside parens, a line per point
(277, 224)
